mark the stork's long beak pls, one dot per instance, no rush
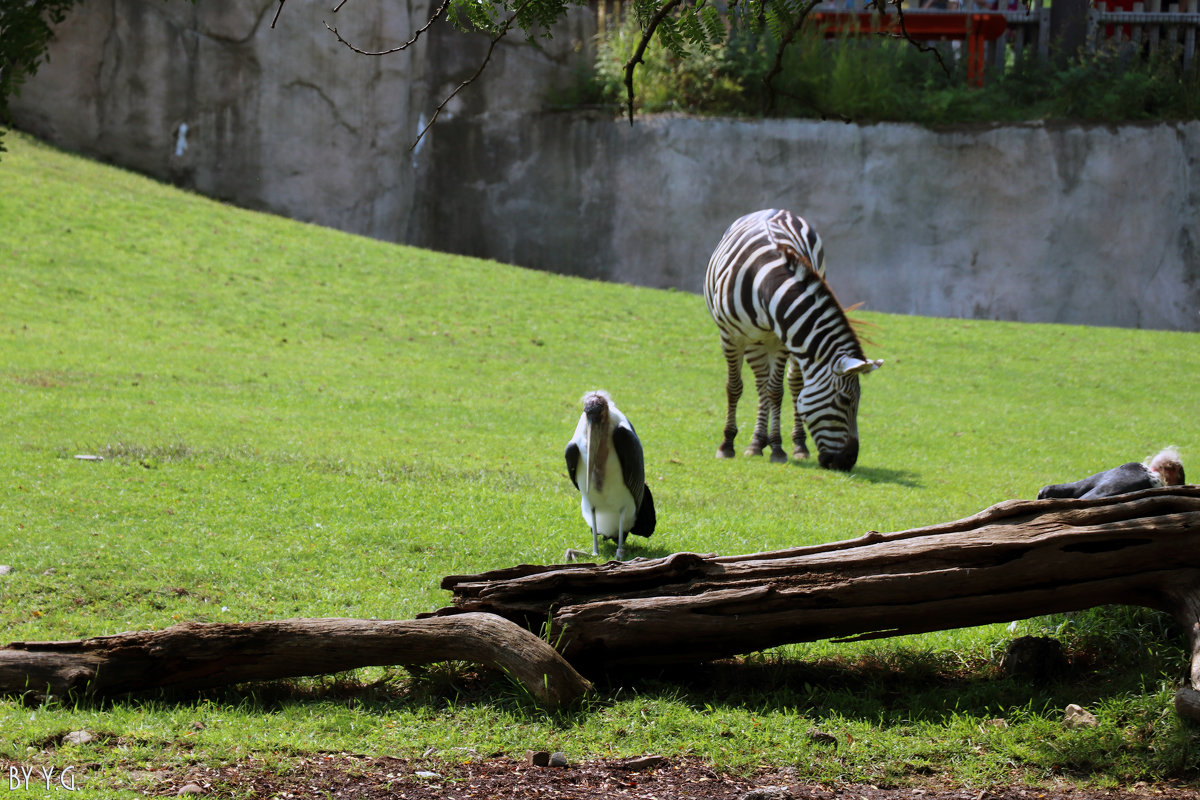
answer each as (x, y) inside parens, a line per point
(593, 445)
(587, 462)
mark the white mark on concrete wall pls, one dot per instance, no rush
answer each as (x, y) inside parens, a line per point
(416, 151)
(181, 139)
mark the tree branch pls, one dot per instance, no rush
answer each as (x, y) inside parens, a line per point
(636, 58)
(788, 37)
(881, 7)
(491, 47)
(436, 16)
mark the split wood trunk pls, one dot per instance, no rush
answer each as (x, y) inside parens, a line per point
(200, 655)
(1017, 559)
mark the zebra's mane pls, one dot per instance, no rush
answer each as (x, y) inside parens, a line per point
(796, 262)
(858, 325)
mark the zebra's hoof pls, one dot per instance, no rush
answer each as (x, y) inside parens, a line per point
(778, 456)
(725, 452)
(753, 451)
(800, 454)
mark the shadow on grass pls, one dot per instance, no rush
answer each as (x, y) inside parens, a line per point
(888, 687)
(900, 477)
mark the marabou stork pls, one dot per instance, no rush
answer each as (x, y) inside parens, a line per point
(1163, 469)
(605, 462)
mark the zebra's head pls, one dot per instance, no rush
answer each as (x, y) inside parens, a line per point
(829, 405)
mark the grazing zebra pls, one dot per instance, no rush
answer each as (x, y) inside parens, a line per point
(765, 287)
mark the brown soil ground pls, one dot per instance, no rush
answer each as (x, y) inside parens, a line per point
(651, 778)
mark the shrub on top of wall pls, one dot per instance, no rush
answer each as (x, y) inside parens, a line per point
(873, 80)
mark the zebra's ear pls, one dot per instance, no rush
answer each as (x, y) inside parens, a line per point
(849, 365)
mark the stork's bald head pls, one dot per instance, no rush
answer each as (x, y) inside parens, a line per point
(1168, 466)
(595, 406)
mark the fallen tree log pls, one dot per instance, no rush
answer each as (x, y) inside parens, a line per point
(1017, 559)
(200, 655)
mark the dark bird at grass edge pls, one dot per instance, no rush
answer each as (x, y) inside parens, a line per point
(1163, 469)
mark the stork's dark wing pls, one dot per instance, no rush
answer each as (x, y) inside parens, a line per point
(572, 461)
(646, 518)
(633, 468)
(1126, 478)
(1074, 489)
(1131, 477)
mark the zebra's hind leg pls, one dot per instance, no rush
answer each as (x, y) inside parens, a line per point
(795, 380)
(733, 392)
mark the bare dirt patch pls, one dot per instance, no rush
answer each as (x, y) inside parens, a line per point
(353, 776)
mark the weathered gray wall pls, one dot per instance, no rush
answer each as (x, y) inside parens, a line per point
(283, 119)
(1093, 225)
(1089, 225)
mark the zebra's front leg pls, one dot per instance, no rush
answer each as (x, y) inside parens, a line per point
(733, 393)
(795, 381)
(778, 366)
(768, 379)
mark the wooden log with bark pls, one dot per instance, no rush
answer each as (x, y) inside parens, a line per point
(1014, 560)
(199, 655)
(1017, 559)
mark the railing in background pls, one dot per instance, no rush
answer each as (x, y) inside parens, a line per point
(1151, 25)
(1161, 24)
(1146, 25)
(1139, 25)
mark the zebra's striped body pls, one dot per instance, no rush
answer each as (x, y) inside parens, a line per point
(766, 290)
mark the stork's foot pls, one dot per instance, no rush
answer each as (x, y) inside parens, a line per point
(573, 555)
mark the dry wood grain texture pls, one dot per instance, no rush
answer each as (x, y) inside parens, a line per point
(199, 655)
(1017, 559)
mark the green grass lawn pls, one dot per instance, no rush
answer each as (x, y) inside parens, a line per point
(299, 422)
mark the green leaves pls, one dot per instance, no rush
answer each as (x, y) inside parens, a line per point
(25, 31)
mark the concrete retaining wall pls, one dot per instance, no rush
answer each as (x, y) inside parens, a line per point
(1088, 225)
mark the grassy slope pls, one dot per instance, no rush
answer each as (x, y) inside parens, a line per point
(299, 422)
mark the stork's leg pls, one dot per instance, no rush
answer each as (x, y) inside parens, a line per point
(795, 381)
(733, 392)
(595, 537)
(621, 536)
(574, 555)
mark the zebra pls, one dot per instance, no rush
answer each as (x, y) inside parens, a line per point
(765, 288)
